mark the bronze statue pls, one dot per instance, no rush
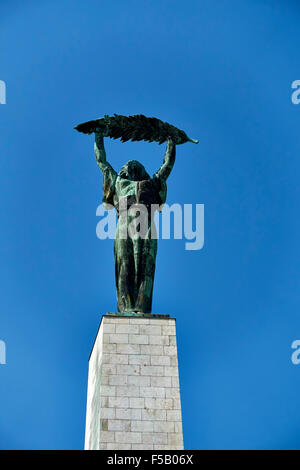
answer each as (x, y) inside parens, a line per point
(132, 187)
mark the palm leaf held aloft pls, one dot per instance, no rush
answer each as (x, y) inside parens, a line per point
(137, 127)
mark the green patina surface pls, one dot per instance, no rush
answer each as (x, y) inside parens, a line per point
(134, 257)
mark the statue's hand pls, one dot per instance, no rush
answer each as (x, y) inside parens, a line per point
(99, 141)
(98, 132)
(101, 132)
(170, 141)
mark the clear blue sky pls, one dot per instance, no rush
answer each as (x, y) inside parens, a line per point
(223, 72)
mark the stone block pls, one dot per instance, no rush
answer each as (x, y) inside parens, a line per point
(160, 360)
(127, 328)
(138, 380)
(127, 414)
(118, 402)
(142, 426)
(152, 329)
(173, 415)
(152, 350)
(128, 369)
(164, 382)
(138, 339)
(137, 403)
(117, 380)
(159, 340)
(158, 438)
(118, 338)
(154, 415)
(128, 437)
(157, 371)
(119, 425)
(107, 436)
(127, 390)
(141, 359)
(158, 392)
(159, 403)
(128, 348)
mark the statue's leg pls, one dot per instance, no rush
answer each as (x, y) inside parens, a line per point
(124, 270)
(144, 255)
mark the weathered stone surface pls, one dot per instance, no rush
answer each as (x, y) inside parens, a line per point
(133, 387)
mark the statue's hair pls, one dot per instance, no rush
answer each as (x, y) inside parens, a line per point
(140, 171)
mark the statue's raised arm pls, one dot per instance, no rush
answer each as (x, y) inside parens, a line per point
(169, 160)
(100, 154)
(109, 174)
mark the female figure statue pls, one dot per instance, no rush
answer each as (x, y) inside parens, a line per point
(134, 255)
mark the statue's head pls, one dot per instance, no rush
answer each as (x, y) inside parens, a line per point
(134, 171)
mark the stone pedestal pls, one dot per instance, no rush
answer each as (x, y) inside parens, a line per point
(133, 397)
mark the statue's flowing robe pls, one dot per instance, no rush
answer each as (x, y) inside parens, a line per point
(134, 256)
